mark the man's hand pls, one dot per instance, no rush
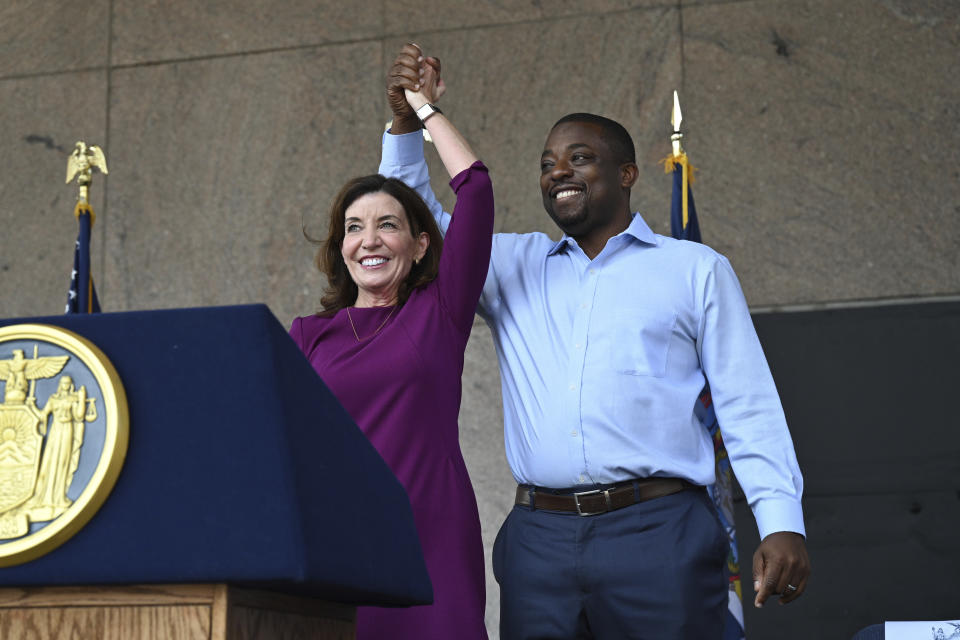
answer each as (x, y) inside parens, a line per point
(405, 74)
(780, 566)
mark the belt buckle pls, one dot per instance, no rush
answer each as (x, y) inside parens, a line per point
(578, 494)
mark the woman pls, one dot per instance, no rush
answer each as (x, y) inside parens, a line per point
(390, 342)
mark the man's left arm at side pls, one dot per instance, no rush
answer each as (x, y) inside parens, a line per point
(755, 433)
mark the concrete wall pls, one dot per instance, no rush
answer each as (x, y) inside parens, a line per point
(825, 132)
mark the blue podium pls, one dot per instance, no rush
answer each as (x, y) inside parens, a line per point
(245, 482)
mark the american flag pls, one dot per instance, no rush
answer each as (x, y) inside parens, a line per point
(82, 297)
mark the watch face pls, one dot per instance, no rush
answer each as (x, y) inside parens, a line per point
(426, 111)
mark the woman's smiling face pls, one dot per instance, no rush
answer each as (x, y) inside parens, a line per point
(379, 248)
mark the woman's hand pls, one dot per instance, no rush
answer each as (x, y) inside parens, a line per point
(430, 85)
(430, 78)
(454, 151)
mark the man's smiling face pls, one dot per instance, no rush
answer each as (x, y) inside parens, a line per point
(581, 182)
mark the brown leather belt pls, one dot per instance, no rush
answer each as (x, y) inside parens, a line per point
(588, 503)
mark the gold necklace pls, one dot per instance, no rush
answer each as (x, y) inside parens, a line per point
(354, 327)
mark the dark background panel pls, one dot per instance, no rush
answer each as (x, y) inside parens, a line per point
(889, 556)
(870, 395)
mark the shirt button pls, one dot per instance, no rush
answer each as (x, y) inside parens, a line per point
(593, 272)
(573, 387)
(583, 305)
(574, 433)
(577, 346)
(580, 480)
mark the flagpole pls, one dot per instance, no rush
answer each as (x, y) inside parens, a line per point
(82, 297)
(676, 118)
(684, 225)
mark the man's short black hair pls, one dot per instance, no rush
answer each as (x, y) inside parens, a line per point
(613, 132)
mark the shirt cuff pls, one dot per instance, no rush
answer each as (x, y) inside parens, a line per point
(775, 515)
(404, 148)
(461, 178)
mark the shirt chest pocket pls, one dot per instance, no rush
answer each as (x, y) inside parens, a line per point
(642, 344)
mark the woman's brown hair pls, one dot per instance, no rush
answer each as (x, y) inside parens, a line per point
(341, 289)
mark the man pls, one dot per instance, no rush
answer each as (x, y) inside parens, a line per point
(605, 340)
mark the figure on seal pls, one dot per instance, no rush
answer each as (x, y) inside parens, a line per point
(61, 453)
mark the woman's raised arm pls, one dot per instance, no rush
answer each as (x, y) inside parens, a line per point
(454, 150)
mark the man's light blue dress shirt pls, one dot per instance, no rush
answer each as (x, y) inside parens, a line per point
(602, 361)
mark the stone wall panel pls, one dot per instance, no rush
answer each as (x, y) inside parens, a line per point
(825, 134)
(42, 119)
(38, 36)
(165, 30)
(219, 163)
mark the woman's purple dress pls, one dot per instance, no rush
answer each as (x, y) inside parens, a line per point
(401, 385)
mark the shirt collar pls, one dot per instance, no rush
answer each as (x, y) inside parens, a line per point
(637, 228)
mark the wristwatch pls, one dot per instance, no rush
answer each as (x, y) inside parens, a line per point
(426, 111)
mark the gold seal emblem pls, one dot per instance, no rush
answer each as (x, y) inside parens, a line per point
(63, 437)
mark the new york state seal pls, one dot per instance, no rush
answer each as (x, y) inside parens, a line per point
(63, 437)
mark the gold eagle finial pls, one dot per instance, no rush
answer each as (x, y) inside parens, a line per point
(81, 163)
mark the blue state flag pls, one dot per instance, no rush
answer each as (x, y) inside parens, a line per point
(684, 226)
(683, 213)
(82, 297)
